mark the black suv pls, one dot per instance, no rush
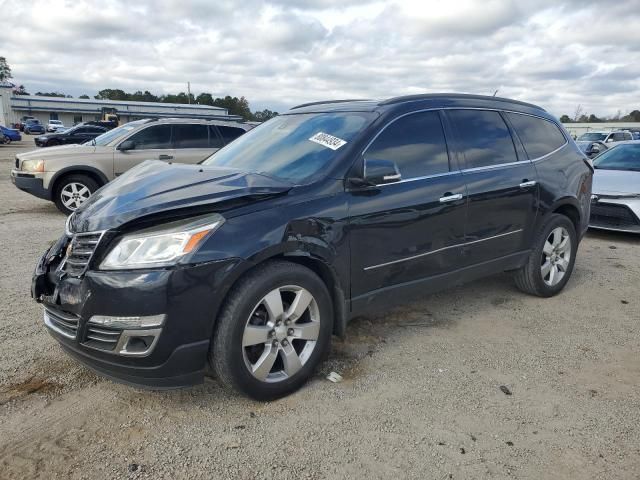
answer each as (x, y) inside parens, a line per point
(250, 261)
(79, 134)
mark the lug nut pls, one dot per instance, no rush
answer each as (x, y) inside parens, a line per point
(274, 344)
(272, 333)
(285, 343)
(290, 331)
(287, 321)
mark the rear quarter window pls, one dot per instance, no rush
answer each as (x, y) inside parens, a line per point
(539, 137)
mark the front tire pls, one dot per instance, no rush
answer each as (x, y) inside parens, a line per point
(273, 330)
(551, 261)
(72, 191)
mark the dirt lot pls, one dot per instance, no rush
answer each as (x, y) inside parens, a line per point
(421, 396)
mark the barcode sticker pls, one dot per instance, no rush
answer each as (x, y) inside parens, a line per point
(329, 141)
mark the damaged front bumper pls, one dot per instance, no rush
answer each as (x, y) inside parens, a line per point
(149, 328)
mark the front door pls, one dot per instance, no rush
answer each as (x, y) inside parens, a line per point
(151, 143)
(502, 186)
(413, 229)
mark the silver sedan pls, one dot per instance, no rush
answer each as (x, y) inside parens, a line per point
(615, 202)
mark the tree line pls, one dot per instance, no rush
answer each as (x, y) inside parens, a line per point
(580, 117)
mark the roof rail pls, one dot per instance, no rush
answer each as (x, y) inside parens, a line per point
(426, 96)
(331, 101)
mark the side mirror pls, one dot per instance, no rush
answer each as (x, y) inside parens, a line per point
(609, 140)
(379, 172)
(127, 145)
(594, 149)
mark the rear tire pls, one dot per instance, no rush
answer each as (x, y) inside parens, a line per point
(551, 261)
(264, 346)
(71, 191)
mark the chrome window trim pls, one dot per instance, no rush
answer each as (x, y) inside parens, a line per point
(413, 257)
(437, 109)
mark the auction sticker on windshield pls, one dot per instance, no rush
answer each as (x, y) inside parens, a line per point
(326, 140)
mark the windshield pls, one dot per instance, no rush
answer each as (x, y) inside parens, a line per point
(593, 137)
(292, 147)
(621, 157)
(107, 137)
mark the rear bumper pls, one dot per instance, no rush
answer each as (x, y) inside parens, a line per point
(29, 183)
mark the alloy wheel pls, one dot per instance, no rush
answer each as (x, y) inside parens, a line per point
(556, 256)
(74, 194)
(281, 333)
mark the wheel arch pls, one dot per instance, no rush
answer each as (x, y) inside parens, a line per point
(569, 207)
(315, 263)
(92, 172)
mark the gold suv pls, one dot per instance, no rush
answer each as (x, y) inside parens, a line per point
(67, 175)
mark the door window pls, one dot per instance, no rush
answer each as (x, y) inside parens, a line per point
(191, 136)
(416, 143)
(484, 138)
(158, 136)
(538, 136)
(215, 141)
(229, 134)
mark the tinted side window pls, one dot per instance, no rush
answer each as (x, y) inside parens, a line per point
(416, 143)
(538, 136)
(214, 138)
(158, 136)
(190, 136)
(229, 134)
(484, 138)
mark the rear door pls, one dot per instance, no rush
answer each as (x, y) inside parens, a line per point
(412, 229)
(193, 142)
(150, 143)
(501, 185)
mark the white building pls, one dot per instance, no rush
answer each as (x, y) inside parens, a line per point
(75, 110)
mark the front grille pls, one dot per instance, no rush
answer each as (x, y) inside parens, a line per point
(80, 251)
(102, 338)
(608, 215)
(66, 324)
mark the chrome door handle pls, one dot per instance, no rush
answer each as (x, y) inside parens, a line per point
(451, 198)
(532, 183)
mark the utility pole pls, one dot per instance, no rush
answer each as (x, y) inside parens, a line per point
(189, 92)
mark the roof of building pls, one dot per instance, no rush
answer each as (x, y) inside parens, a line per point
(62, 100)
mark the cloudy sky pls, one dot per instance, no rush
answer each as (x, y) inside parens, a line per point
(277, 53)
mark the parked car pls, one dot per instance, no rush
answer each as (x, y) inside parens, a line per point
(33, 126)
(4, 140)
(254, 258)
(23, 121)
(616, 189)
(80, 134)
(11, 134)
(54, 125)
(103, 123)
(592, 149)
(606, 137)
(69, 174)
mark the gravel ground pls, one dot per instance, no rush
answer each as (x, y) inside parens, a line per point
(421, 395)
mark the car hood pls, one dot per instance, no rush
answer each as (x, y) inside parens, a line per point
(61, 150)
(157, 187)
(616, 182)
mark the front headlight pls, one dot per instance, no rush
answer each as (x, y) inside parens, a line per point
(33, 165)
(161, 246)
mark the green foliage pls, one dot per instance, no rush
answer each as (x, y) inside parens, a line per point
(52, 94)
(5, 70)
(85, 97)
(565, 119)
(20, 91)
